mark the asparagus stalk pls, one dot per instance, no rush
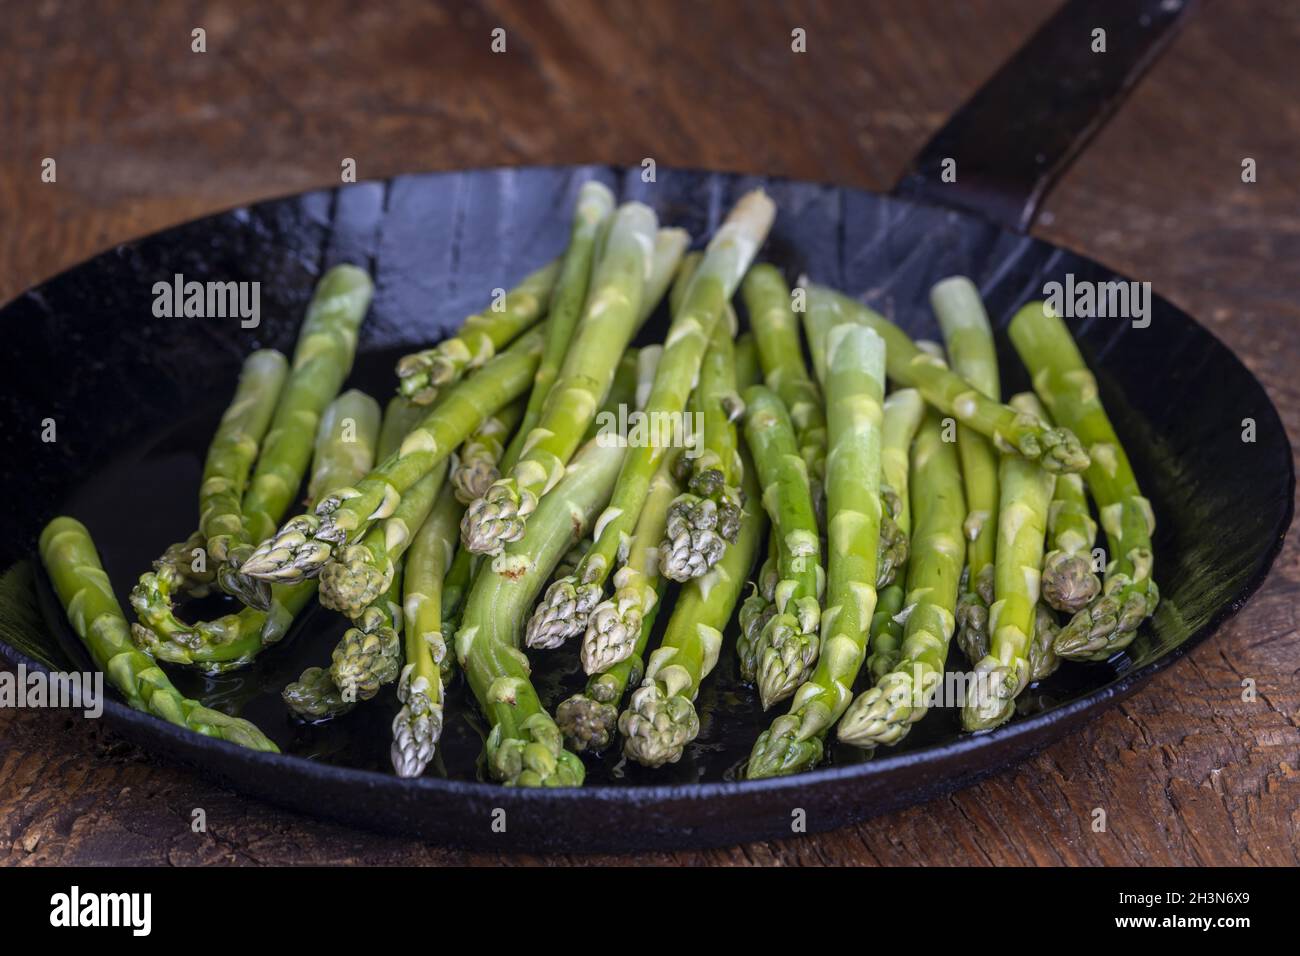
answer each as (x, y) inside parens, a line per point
(345, 443)
(73, 565)
(592, 217)
(620, 396)
(1068, 581)
(603, 333)
(327, 344)
(1056, 449)
(591, 220)
(660, 719)
(776, 331)
(401, 416)
(306, 542)
(234, 448)
(969, 338)
(476, 463)
(563, 611)
(885, 713)
(524, 746)
(420, 375)
(748, 370)
(345, 450)
(787, 647)
(705, 518)
(615, 625)
(1026, 495)
(1129, 595)
(855, 387)
(904, 411)
(358, 573)
(418, 725)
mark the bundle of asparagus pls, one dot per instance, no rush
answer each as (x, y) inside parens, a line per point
(943, 513)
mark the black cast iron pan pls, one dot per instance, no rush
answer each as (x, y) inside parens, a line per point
(135, 399)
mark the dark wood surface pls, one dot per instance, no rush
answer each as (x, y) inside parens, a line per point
(147, 133)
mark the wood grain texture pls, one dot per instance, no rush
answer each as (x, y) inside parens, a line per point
(146, 133)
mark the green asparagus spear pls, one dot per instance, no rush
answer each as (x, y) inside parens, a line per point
(788, 645)
(1129, 595)
(358, 573)
(620, 397)
(904, 410)
(401, 415)
(524, 747)
(705, 518)
(855, 387)
(776, 331)
(885, 713)
(969, 338)
(1026, 495)
(345, 450)
(72, 563)
(327, 343)
(615, 625)
(748, 370)
(345, 443)
(476, 462)
(1056, 449)
(660, 719)
(591, 220)
(234, 448)
(420, 375)
(563, 611)
(418, 725)
(1068, 581)
(306, 542)
(603, 333)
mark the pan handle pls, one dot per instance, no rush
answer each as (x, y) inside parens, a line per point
(1020, 131)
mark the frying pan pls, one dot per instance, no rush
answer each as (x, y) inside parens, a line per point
(135, 397)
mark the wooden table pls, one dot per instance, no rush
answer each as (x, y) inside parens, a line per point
(147, 133)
